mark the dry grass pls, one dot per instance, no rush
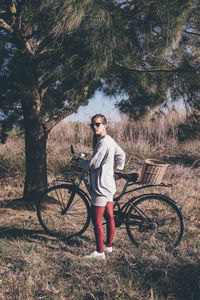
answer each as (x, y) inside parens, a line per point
(36, 266)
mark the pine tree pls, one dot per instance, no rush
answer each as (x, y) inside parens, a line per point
(52, 55)
(162, 61)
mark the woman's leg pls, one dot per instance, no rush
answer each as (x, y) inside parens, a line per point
(110, 223)
(96, 216)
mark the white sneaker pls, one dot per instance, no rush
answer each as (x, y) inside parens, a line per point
(96, 254)
(108, 249)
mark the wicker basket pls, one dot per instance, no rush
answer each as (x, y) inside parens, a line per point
(153, 171)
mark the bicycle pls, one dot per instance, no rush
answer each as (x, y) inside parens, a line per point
(64, 211)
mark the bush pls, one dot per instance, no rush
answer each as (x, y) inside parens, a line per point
(12, 166)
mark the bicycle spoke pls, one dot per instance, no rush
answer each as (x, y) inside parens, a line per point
(59, 196)
(155, 222)
(74, 203)
(52, 215)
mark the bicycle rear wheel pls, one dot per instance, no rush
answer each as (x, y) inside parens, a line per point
(55, 219)
(154, 221)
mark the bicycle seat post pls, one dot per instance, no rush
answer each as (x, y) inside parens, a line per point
(123, 190)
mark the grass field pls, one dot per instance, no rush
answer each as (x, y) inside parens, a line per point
(34, 265)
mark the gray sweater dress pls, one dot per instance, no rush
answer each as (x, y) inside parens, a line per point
(107, 155)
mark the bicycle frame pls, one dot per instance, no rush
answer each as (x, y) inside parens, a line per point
(125, 207)
(84, 178)
(75, 195)
(127, 184)
(76, 185)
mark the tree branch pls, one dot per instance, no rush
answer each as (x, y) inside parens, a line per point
(193, 33)
(146, 70)
(161, 60)
(5, 26)
(59, 117)
(29, 48)
(12, 7)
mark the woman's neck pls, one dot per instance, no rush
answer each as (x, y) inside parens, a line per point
(102, 134)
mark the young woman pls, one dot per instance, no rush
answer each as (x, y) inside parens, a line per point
(106, 155)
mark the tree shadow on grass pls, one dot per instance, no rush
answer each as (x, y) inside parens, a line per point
(182, 281)
(162, 278)
(14, 233)
(25, 226)
(18, 204)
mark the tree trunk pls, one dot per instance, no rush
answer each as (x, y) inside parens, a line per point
(35, 151)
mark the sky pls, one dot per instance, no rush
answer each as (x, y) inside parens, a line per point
(98, 104)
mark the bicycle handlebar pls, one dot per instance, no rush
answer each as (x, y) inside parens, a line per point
(78, 156)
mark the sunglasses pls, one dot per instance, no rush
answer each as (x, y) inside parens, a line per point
(95, 124)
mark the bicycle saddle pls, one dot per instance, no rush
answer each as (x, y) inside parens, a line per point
(132, 177)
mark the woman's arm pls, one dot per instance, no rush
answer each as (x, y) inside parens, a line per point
(98, 157)
(119, 158)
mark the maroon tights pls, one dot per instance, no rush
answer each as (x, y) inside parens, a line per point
(97, 213)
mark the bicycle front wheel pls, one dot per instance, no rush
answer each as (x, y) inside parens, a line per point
(154, 221)
(56, 219)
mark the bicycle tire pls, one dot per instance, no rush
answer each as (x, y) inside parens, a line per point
(154, 221)
(50, 212)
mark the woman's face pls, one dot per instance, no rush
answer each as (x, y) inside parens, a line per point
(98, 127)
